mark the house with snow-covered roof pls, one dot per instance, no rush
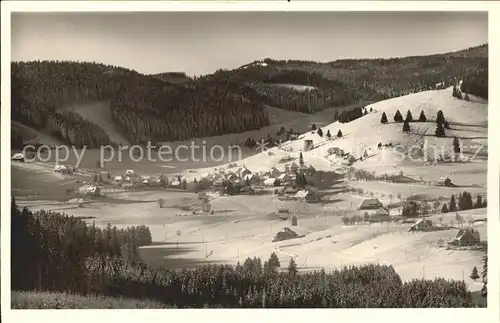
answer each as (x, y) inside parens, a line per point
(370, 204)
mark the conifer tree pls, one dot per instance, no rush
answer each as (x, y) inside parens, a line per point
(292, 267)
(453, 204)
(422, 117)
(328, 134)
(398, 117)
(444, 208)
(339, 134)
(313, 127)
(440, 117)
(320, 132)
(440, 131)
(301, 159)
(479, 202)
(384, 118)
(406, 126)
(484, 276)
(409, 116)
(456, 146)
(474, 275)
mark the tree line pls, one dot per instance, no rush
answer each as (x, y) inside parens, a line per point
(48, 249)
(463, 202)
(395, 77)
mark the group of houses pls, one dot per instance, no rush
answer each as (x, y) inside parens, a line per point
(130, 178)
(242, 180)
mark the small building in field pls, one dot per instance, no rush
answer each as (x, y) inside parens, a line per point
(130, 172)
(370, 204)
(118, 178)
(286, 233)
(422, 225)
(466, 237)
(382, 214)
(175, 184)
(306, 196)
(18, 157)
(444, 181)
(63, 169)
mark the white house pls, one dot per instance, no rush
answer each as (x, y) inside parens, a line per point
(18, 157)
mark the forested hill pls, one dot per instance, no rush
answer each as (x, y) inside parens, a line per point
(146, 107)
(173, 106)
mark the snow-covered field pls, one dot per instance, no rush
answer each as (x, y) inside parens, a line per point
(244, 226)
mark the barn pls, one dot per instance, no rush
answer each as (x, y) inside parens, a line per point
(382, 214)
(466, 237)
(370, 204)
(422, 225)
(286, 234)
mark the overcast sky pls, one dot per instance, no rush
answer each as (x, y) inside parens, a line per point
(199, 43)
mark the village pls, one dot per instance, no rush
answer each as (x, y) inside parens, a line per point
(325, 201)
(286, 181)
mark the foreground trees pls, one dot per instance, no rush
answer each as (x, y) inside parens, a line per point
(51, 251)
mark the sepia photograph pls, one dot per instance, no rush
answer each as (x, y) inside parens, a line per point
(248, 159)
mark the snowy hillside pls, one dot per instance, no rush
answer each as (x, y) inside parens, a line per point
(468, 120)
